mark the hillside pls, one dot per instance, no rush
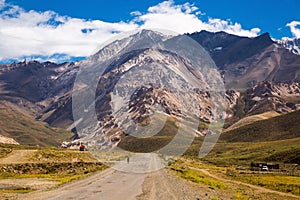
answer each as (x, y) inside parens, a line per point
(277, 128)
(274, 140)
(244, 62)
(251, 119)
(263, 75)
(16, 124)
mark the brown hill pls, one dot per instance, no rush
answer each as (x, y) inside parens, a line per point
(18, 124)
(248, 61)
(277, 128)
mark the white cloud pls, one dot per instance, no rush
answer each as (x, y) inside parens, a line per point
(25, 33)
(183, 19)
(29, 33)
(295, 29)
(232, 28)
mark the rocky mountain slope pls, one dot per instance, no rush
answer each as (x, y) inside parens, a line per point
(263, 98)
(149, 77)
(247, 61)
(34, 81)
(259, 74)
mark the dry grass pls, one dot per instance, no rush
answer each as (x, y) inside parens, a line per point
(46, 164)
(252, 119)
(192, 169)
(276, 128)
(282, 183)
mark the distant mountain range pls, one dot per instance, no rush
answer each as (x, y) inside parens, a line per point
(248, 61)
(293, 45)
(260, 75)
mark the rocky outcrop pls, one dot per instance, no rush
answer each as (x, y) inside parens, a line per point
(268, 96)
(259, 74)
(245, 62)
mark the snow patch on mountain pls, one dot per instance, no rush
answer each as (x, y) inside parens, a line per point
(293, 45)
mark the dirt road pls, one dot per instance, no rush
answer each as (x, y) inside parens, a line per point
(108, 185)
(164, 186)
(123, 181)
(120, 182)
(17, 156)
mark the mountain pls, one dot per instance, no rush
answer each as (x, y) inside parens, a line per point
(27, 89)
(37, 87)
(277, 128)
(247, 61)
(281, 97)
(34, 82)
(19, 127)
(130, 78)
(146, 70)
(264, 100)
(274, 91)
(293, 45)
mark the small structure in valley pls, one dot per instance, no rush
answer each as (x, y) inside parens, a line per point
(81, 147)
(264, 166)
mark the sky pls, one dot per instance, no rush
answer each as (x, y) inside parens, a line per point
(65, 30)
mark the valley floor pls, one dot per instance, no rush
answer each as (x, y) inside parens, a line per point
(185, 179)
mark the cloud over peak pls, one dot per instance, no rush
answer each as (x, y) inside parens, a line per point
(31, 33)
(295, 28)
(184, 19)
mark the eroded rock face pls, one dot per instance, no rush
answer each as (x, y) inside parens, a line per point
(139, 83)
(7, 140)
(232, 97)
(246, 62)
(268, 96)
(256, 71)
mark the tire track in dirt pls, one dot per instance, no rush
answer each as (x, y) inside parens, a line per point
(260, 189)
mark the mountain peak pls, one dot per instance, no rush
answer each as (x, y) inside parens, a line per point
(141, 40)
(149, 33)
(151, 36)
(265, 37)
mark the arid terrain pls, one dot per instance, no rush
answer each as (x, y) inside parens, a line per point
(62, 125)
(186, 178)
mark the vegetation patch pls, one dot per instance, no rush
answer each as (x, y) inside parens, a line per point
(5, 149)
(17, 190)
(243, 153)
(62, 155)
(150, 144)
(62, 172)
(4, 152)
(187, 166)
(277, 128)
(282, 183)
(196, 176)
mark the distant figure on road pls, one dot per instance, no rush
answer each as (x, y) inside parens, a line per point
(127, 159)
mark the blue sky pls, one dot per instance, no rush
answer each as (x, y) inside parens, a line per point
(74, 29)
(269, 16)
